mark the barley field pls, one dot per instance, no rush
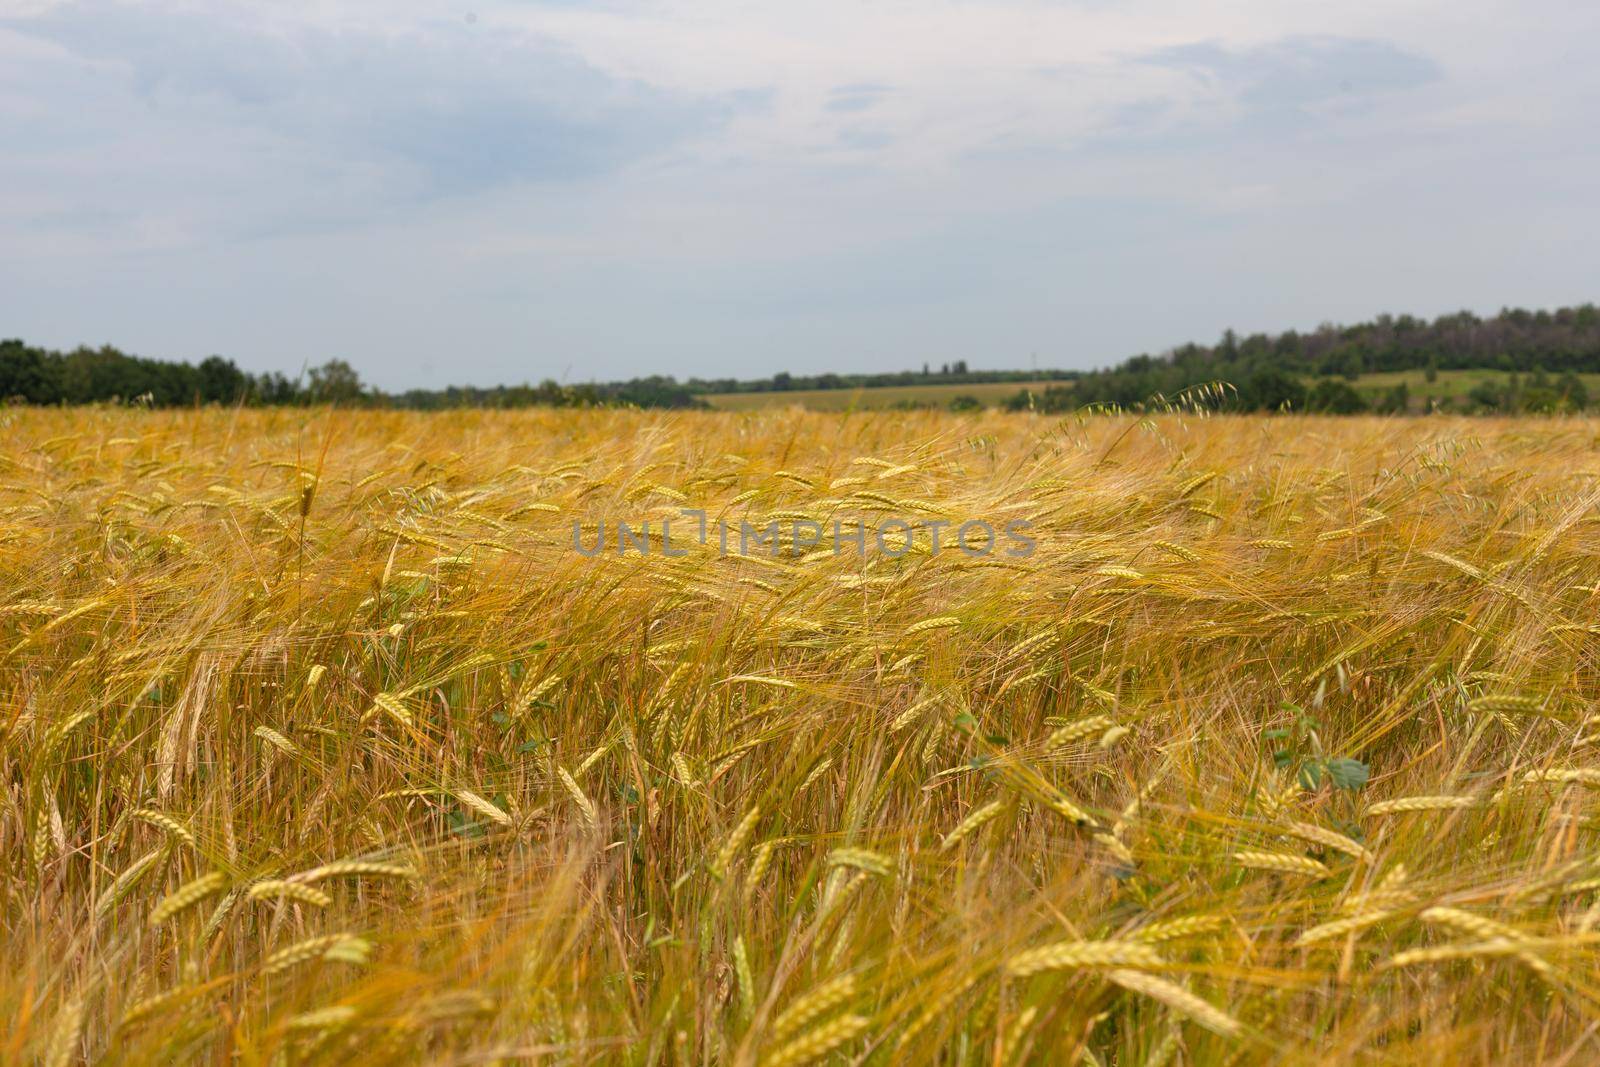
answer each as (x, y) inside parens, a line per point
(322, 744)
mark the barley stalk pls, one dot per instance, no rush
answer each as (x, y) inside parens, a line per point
(817, 1043)
(1179, 1000)
(1067, 955)
(1281, 863)
(187, 896)
(819, 1001)
(299, 892)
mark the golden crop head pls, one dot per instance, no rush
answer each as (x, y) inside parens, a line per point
(321, 744)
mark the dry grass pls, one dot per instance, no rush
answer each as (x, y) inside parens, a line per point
(321, 745)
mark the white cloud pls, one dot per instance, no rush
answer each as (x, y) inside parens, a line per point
(819, 182)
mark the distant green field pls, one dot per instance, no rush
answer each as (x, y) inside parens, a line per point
(1449, 385)
(990, 394)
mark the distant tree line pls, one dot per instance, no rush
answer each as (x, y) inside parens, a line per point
(957, 373)
(655, 391)
(89, 375)
(1543, 352)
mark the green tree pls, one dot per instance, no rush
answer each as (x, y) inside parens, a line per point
(1396, 401)
(25, 374)
(1270, 389)
(1574, 394)
(1331, 396)
(220, 381)
(1352, 365)
(1487, 395)
(336, 382)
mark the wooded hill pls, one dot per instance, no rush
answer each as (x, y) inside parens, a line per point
(1545, 350)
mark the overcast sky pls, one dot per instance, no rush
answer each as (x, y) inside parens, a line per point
(480, 191)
